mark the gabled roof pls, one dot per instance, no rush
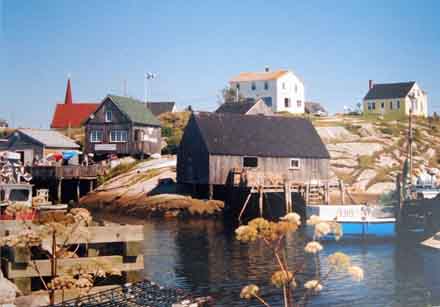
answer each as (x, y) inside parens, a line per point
(135, 110)
(50, 138)
(69, 114)
(389, 90)
(158, 108)
(259, 76)
(264, 136)
(313, 107)
(235, 107)
(72, 114)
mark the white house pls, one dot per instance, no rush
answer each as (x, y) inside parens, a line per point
(282, 90)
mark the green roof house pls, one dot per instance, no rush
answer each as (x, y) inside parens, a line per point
(122, 126)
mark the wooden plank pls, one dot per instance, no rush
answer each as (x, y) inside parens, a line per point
(95, 234)
(44, 266)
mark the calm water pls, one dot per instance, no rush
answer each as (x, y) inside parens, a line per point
(203, 257)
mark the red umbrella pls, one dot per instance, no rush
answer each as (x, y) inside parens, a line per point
(57, 156)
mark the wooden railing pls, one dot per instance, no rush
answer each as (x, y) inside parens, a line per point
(66, 171)
(118, 245)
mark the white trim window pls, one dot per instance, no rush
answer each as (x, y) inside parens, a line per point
(108, 116)
(295, 164)
(119, 136)
(96, 136)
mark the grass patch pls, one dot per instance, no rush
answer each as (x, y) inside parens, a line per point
(118, 170)
(366, 161)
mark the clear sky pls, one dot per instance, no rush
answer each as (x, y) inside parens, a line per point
(196, 46)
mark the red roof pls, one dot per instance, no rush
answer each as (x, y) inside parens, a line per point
(72, 114)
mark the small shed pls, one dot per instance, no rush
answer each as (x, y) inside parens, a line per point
(246, 107)
(158, 108)
(38, 143)
(122, 126)
(268, 149)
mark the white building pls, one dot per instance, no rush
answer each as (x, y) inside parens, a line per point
(282, 90)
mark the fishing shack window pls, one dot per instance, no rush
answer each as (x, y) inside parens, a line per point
(295, 164)
(119, 136)
(96, 136)
(250, 162)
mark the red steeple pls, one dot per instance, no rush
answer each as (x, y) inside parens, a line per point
(68, 99)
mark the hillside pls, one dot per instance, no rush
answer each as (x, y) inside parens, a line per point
(368, 153)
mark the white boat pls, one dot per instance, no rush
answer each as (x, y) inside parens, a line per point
(358, 221)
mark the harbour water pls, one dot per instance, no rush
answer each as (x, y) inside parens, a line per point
(202, 257)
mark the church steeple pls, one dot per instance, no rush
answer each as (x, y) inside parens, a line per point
(68, 99)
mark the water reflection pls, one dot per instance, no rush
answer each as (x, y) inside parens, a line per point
(202, 256)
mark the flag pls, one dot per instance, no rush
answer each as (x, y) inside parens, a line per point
(150, 75)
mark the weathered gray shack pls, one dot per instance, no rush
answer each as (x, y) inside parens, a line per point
(38, 143)
(123, 126)
(250, 150)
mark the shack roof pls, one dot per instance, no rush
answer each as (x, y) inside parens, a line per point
(135, 110)
(50, 138)
(158, 108)
(235, 107)
(389, 90)
(265, 136)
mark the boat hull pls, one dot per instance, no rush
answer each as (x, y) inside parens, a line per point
(357, 221)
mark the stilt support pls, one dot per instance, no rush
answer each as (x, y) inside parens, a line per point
(59, 195)
(287, 197)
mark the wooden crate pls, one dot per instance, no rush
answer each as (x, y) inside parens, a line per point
(120, 245)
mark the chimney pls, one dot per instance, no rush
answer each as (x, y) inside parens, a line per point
(266, 69)
(370, 84)
(68, 99)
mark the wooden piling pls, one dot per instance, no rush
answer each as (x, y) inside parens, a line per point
(59, 195)
(78, 190)
(260, 202)
(210, 191)
(287, 197)
(342, 188)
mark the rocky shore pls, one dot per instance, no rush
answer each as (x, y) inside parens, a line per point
(148, 189)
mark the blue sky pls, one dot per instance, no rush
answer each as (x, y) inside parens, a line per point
(196, 46)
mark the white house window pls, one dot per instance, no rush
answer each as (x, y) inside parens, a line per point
(286, 102)
(96, 136)
(283, 85)
(373, 105)
(108, 116)
(119, 136)
(295, 164)
(253, 86)
(296, 88)
(382, 105)
(266, 85)
(237, 86)
(299, 103)
(369, 105)
(250, 161)
(398, 104)
(391, 105)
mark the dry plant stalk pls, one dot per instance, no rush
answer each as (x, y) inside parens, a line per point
(53, 236)
(272, 234)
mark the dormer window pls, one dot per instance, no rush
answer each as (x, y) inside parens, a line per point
(108, 116)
